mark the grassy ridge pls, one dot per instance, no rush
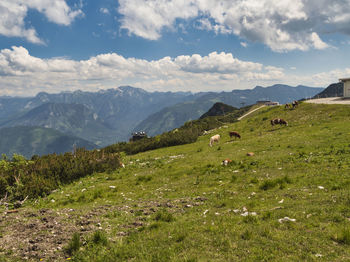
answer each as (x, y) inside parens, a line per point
(180, 204)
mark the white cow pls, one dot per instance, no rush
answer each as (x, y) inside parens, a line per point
(213, 139)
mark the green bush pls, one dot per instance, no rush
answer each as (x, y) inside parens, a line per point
(164, 216)
(37, 177)
(73, 245)
(99, 237)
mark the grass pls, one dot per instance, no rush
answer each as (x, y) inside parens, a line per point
(180, 203)
(74, 244)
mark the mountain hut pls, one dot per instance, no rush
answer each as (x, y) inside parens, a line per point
(346, 81)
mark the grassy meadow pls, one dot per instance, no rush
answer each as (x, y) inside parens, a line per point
(288, 202)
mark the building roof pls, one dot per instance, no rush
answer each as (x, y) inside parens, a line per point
(344, 79)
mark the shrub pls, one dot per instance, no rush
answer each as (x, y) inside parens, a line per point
(74, 244)
(20, 178)
(343, 237)
(164, 215)
(268, 184)
(99, 237)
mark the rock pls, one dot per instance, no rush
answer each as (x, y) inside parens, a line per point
(250, 154)
(285, 219)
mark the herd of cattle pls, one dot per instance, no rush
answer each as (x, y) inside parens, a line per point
(275, 121)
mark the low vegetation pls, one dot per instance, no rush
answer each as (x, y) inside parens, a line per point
(290, 201)
(21, 178)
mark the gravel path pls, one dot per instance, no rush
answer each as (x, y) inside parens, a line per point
(250, 112)
(329, 100)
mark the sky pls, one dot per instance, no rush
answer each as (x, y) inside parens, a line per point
(171, 45)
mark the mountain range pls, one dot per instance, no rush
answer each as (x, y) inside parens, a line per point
(110, 116)
(174, 116)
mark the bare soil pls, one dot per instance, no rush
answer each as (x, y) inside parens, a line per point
(34, 235)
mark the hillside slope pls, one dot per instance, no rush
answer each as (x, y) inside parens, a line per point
(29, 141)
(333, 90)
(288, 202)
(71, 119)
(176, 115)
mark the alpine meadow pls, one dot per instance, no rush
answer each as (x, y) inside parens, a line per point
(174, 130)
(289, 201)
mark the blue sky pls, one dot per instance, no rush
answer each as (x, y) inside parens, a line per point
(171, 45)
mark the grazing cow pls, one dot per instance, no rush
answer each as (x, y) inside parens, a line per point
(295, 104)
(226, 162)
(234, 134)
(213, 139)
(279, 121)
(287, 106)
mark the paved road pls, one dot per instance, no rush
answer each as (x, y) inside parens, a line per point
(329, 100)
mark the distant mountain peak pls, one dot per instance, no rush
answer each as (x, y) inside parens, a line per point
(219, 109)
(333, 90)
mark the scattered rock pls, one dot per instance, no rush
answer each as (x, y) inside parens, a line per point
(286, 219)
(250, 154)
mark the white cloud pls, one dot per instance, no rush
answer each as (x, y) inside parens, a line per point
(244, 44)
(282, 25)
(147, 18)
(24, 74)
(14, 12)
(216, 71)
(104, 10)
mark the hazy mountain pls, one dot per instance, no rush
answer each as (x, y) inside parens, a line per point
(119, 109)
(11, 106)
(111, 115)
(71, 119)
(174, 116)
(28, 141)
(333, 90)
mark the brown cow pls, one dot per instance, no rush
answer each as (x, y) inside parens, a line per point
(279, 121)
(234, 134)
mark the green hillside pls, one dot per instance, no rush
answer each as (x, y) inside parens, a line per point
(29, 141)
(288, 202)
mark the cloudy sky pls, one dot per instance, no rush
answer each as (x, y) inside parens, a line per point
(171, 45)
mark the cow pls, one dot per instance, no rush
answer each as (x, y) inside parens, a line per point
(234, 134)
(226, 162)
(279, 121)
(287, 106)
(213, 139)
(295, 104)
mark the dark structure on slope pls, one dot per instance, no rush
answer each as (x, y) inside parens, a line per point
(137, 136)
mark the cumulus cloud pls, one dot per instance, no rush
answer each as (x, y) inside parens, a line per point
(14, 12)
(282, 25)
(216, 71)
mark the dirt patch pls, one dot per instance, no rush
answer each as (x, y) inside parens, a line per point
(31, 234)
